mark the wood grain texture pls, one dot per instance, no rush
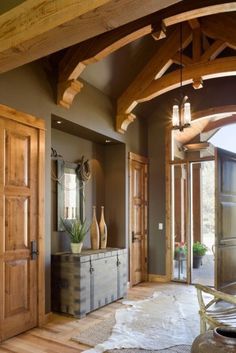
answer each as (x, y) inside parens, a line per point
(138, 234)
(56, 335)
(60, 24)
(170, 46)
(22, 215)
(20, 204)
(35, 17)
(217, 68)
(221, 26)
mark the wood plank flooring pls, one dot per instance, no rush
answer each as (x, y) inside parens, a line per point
(55, 336)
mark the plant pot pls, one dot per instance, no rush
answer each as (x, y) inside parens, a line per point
(76, 248)
(219, 340)
(197, 261)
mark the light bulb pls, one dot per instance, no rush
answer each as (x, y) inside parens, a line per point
(175, 115)
(187, 113)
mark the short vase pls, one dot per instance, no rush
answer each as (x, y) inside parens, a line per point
(76, 248)
(219, 340)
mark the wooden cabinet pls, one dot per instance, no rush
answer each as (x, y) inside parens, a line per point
(84, 282)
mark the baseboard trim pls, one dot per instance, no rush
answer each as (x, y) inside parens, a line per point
(158, 278)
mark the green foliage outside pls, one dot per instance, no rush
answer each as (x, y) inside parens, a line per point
(199, 249)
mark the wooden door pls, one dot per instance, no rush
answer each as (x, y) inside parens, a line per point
(225, 218)
(138, 218)
(19, 224)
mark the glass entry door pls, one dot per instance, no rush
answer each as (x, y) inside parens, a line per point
(202, 184)
(179, 216)
(193, 221)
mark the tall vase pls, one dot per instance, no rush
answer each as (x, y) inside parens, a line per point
(94, 231)
(103, 230)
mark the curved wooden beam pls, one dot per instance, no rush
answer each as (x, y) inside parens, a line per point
(78, 57)
(216, 124)
(201, 10)
(218, 68)
(221, 27)
(214, 111)
(155, 67)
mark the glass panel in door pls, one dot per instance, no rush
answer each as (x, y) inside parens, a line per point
(202, 222)
(179, 221)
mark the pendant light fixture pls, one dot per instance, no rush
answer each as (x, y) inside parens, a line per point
(181, 115)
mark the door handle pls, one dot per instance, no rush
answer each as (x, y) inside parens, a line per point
(134, 237)
(33, 250)
(213, 249)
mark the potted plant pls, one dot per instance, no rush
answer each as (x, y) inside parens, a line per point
(180, 250)
(199, 250)
(77, 231)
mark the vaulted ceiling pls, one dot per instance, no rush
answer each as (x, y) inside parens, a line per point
(151, 51)
(129, 49)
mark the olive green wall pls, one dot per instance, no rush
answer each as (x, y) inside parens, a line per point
(28, 89)
(106, 187)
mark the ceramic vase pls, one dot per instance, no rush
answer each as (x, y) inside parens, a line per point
(103, 230)
(94, 231)
(76, 248)
(219, 340)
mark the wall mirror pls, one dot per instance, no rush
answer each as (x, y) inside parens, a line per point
(70, 193)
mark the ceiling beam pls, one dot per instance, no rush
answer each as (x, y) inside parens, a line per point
(154, 68)
(222, 26)
(37, 28)
(35, 17)
(104, 44)
(93, 50)
(79, 56)
(214, 50)
(212, 125)
(207, 70)
(184, 59)
(215, 111)
(192, 10)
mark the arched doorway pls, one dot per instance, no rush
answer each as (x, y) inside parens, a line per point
(202, 203)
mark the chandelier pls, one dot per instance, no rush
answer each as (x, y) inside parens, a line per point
(181, 114)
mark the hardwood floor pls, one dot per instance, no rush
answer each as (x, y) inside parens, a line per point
(55, 337)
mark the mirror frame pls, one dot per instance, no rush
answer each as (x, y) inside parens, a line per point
(62, 166)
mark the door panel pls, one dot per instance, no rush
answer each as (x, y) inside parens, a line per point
(226, 218)
(138, 219)
(19, 222)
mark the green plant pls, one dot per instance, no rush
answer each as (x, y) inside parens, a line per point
(199, 249)
(76, 229)
(180, 250)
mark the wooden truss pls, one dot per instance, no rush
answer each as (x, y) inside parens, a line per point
(204, 39)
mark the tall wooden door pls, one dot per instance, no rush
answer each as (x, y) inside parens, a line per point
(138, 168)
(19, 224)
(225, 218)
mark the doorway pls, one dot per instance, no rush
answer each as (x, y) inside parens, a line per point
(22, 304)
(138, 186)
(193, 221)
